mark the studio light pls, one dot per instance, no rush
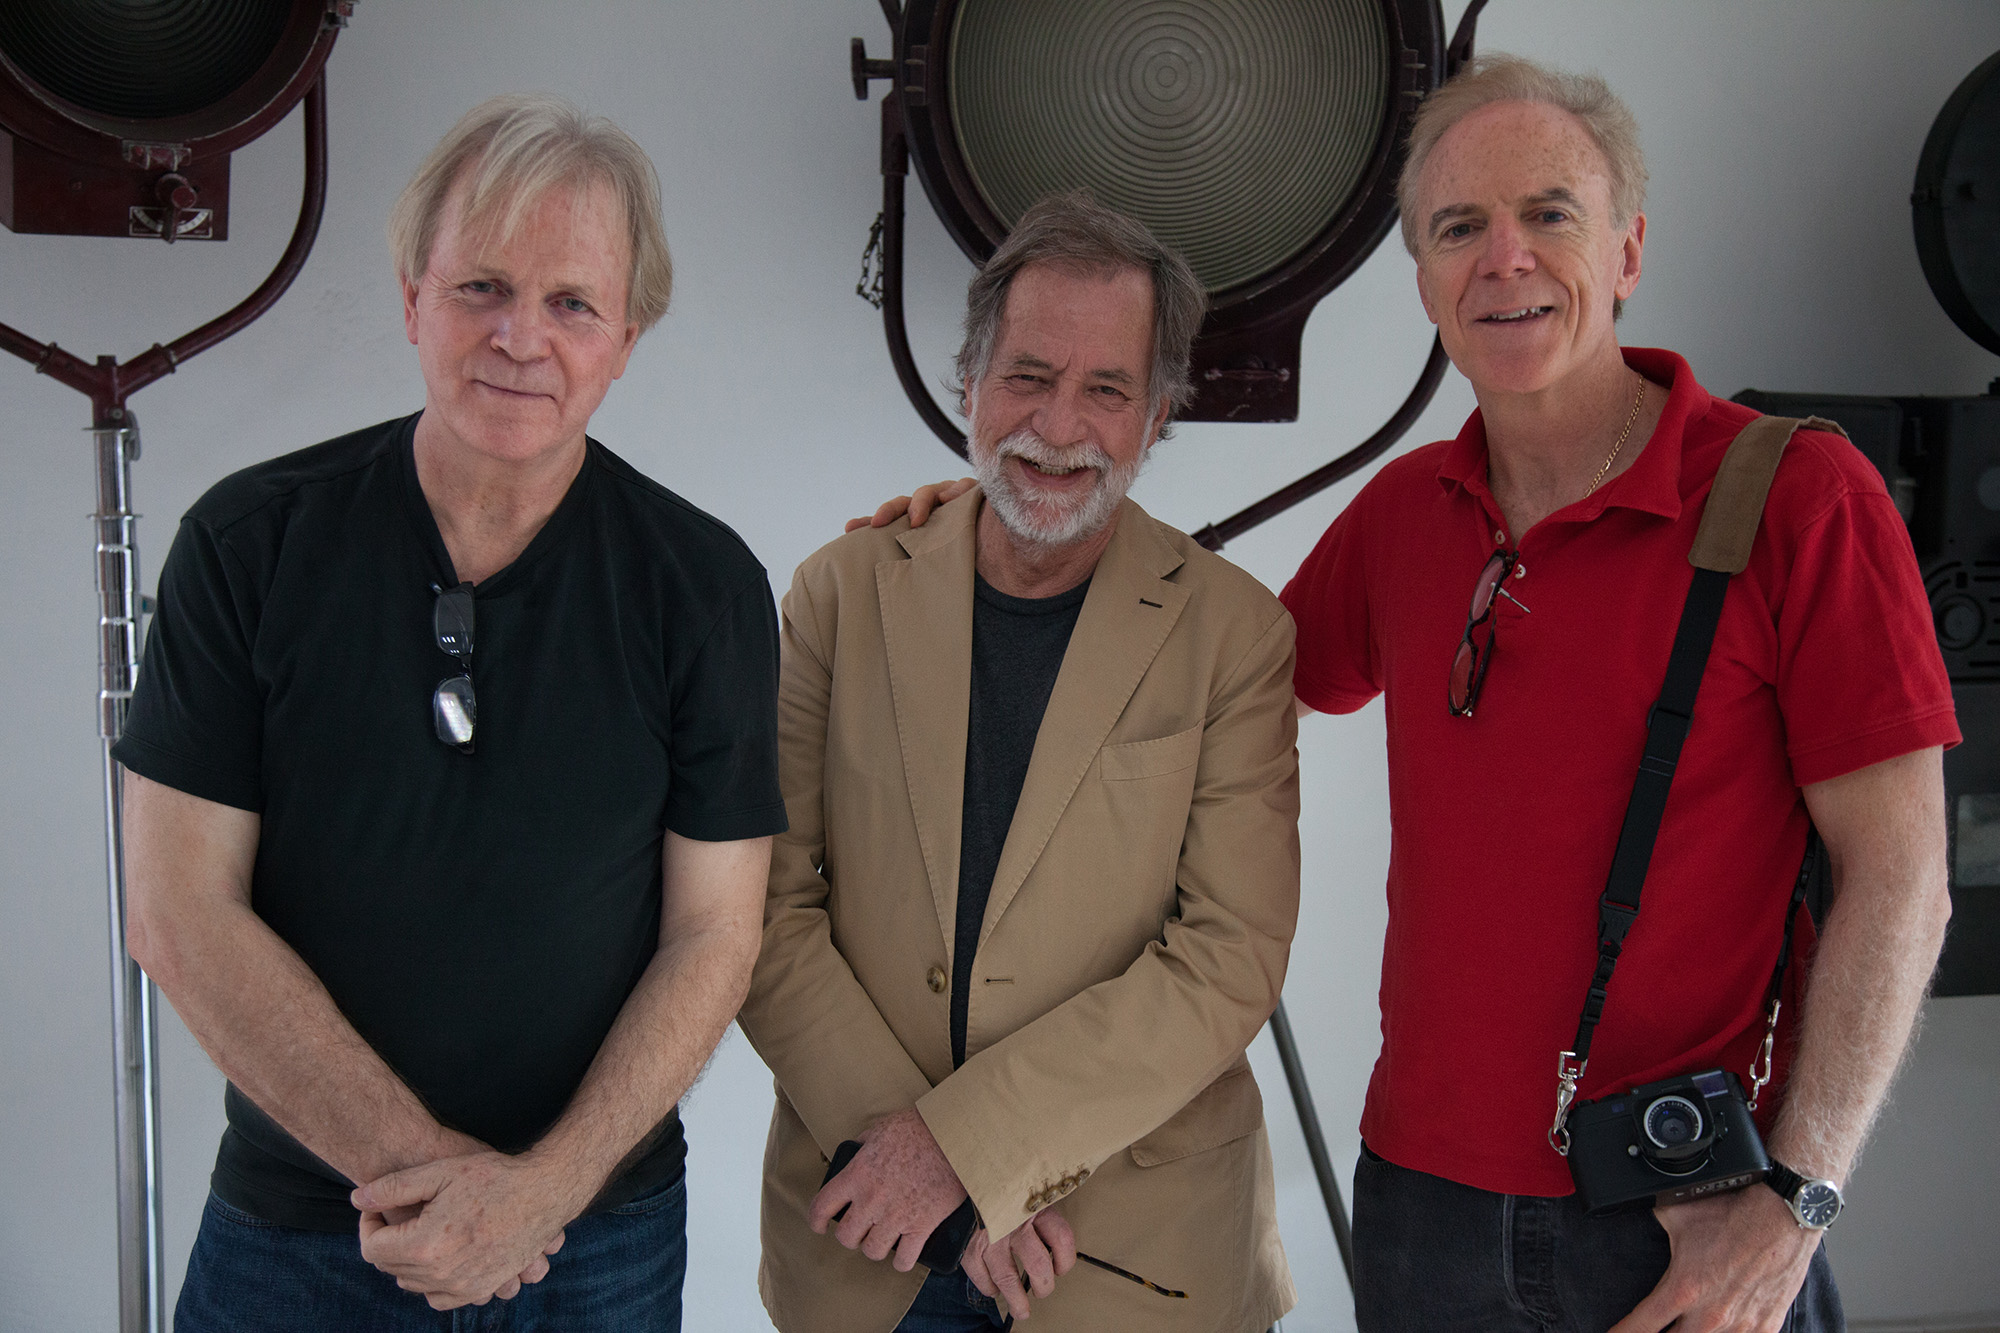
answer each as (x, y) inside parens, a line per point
(1260, 138)
(117, 117)
(1941, 460)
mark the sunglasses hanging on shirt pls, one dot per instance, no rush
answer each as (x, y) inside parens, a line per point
(1475, 650)
(453, 709)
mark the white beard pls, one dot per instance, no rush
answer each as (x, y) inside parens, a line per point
(1051, 521)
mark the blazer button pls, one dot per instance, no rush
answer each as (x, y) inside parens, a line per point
(936, 979)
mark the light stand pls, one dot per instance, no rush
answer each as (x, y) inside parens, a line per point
(134, 998)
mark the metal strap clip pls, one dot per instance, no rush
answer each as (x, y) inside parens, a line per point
(1568, 1070)
(1760, 1064)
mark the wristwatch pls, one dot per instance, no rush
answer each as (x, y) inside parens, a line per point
(1815, 1203)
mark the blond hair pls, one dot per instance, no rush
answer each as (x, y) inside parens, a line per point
(510, 151)
(1505, 78)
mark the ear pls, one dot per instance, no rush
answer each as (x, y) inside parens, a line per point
(1159, 424)
(625, 352)
(409, 309)
(1424, 295)
(1631, 253)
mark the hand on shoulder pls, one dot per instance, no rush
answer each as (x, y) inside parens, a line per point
(918, 506)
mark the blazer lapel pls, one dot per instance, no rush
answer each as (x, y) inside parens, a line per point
(926, 605)
(1126, 617)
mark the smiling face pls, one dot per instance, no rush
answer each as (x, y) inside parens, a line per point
(1060, 419)
(520, 337)
(1519, 263)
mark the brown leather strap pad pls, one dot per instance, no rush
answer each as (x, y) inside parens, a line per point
(1736, 501)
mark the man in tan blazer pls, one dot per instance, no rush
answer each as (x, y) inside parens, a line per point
(1042, 874)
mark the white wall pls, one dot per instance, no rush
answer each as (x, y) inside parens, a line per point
(1783, 138)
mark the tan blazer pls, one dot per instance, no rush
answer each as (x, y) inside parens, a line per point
(1134, 941)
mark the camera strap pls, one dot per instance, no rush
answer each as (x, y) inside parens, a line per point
(1729, 523)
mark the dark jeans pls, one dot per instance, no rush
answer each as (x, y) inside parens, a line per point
(620, 1269)
(1433, 1254)
(949, 1303)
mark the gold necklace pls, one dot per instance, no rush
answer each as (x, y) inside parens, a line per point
(1612, 457)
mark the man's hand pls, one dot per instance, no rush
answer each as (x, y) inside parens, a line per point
(1738, 1263)
(918, 506)
(1043, 1248)
(896, 1190)
(463, 1230)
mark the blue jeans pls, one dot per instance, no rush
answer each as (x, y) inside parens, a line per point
(620, 1269)
(949, 1303)
(1433, 1254)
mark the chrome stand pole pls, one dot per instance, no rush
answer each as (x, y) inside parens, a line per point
(134, 1000)
(1322, 1161)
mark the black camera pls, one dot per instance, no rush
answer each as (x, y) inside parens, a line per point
(1667, 1142)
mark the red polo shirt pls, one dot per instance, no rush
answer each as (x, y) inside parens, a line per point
(1503, 823)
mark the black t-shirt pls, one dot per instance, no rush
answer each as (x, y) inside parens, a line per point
(479, 918)
(1017, 651)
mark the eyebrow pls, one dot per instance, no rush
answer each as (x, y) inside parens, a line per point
(1556, 194)
(1024, 361)
(1028, 361)
(481, 269)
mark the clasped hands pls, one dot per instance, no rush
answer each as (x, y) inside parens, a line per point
(462, 1230)
(897, 1190)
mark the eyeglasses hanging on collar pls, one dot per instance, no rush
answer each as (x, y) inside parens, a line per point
(453, 709)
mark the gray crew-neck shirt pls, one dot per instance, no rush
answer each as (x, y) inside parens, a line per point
(1017, 650)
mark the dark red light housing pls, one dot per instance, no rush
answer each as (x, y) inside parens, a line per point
(117, 117)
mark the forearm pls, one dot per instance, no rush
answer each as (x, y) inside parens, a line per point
(814, 1024)
(656, 1048)
(268, 1023)
(1874, 961)
(1869, 978)
(807, 1015)
(1056, 1098)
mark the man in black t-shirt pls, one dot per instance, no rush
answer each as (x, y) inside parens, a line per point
(451, 778)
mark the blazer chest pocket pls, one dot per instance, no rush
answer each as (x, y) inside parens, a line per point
(1134, 760)
(1220, 1113)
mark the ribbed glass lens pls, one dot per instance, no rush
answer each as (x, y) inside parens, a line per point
(1235, 129)
(143, 59)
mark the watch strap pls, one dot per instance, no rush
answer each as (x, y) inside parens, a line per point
(1784, 1181)
(1790, 1186)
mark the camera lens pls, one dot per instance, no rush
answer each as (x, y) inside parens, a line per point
(1672, 1122)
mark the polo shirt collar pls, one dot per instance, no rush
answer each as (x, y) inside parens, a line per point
(1651, 485)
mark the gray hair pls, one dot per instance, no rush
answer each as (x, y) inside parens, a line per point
(1505, 78)
(512, 150)
(1073, 231)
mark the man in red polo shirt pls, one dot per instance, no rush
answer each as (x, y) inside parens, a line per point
(1561, 518)
(1580, 482)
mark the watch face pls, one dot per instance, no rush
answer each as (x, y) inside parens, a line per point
(1818, 1204)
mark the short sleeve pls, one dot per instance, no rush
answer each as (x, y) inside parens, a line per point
(1860, 677)
(1337, 669)
(197, 717)
(724, 748)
